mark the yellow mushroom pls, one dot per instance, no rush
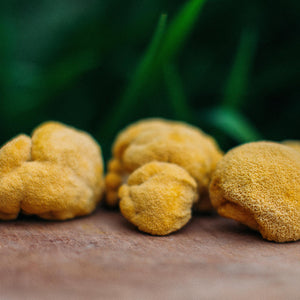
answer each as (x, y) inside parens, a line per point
(165, 141)
(117, 173)
(258, 184)
(56, 174)
(158, 198)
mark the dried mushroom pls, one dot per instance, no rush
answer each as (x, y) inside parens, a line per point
(164, 141)
(56, 174)
(117, 173)
(158, 198)
(258, 184)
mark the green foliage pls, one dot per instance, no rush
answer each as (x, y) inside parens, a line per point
(180, 29)
(232, 123)
(178, 100)
(236, 86)
(227, 117)
(165, 45)
(229, 67)
(143, 76)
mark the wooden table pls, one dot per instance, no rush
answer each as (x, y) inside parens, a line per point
(103, 256)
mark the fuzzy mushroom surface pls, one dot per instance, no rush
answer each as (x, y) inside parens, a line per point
(158, 198)
(165, 141)
(56, 174)
(258, 184)
(292, 143)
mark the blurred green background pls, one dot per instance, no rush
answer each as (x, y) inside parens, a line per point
(230, 67)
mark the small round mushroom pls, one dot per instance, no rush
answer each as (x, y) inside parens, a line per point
(158, 198)
(258, 184)
(117, 173)
(165, 141)
(57, 174)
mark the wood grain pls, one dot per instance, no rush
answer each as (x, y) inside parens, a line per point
(102, 256)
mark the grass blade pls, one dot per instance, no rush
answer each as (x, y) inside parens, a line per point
(236, 85)
(165, 45)
(232, 123)
(147, 63)
(139, 80)
(178, 100)
(180, 28)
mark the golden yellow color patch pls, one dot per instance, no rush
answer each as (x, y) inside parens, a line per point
(165, 141)
(158, 198)
(258, 184)
(292, 143)
(56, 174)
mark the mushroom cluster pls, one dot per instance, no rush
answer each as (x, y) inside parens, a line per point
(160, 171)
(164, 168)
(56, 174)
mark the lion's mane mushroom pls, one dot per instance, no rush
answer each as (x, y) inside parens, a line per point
(117, 173)
(258, 184)
(166, 141)
(57, 174)
(155, 144)
(158, 198)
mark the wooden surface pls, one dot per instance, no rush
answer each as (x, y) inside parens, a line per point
(102, 256)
